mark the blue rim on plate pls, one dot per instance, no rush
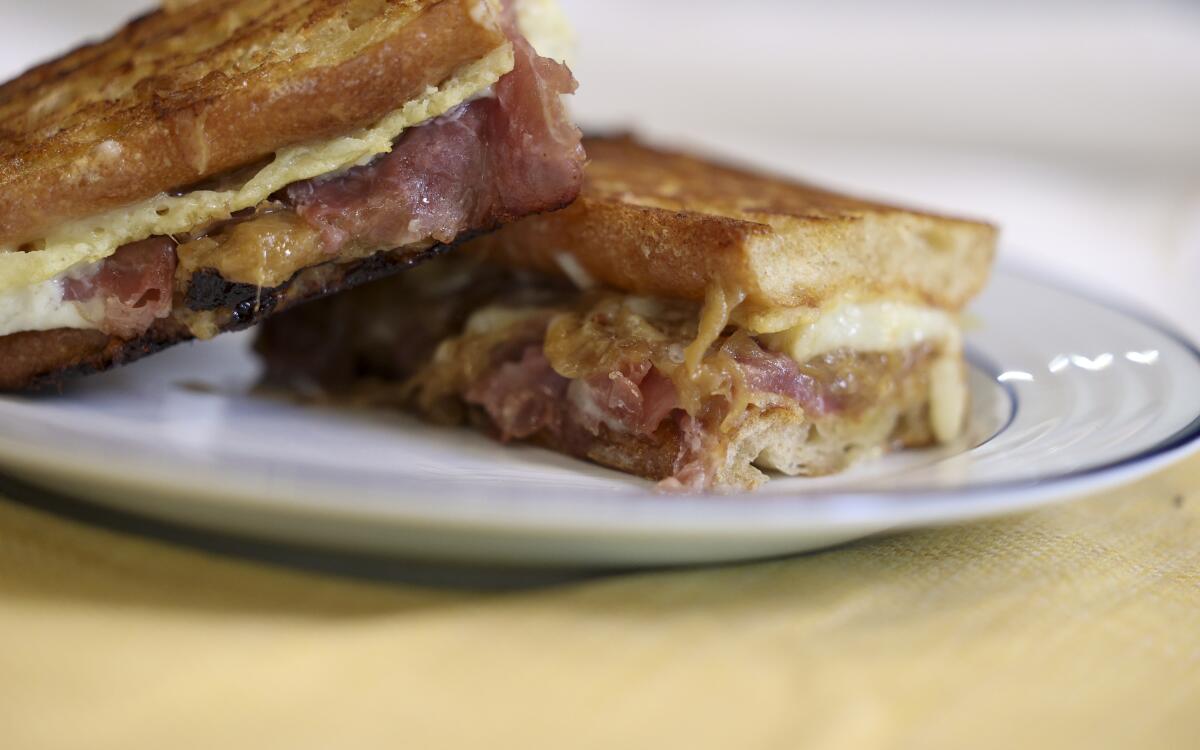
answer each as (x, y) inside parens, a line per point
(1180, 440)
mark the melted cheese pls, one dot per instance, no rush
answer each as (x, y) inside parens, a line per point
(890, 326)
(88, 241)
(948, 398)
(719, 306)
(571, 344)
(546, 27)
(575, 271)
(494, 318)
(869, 327)
(41, 307)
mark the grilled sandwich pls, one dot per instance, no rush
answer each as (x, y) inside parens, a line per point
(217, 161)
(684, 321)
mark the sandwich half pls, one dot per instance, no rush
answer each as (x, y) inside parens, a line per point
(215, 162)
(683, 321)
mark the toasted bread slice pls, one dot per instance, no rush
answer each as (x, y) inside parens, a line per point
(593, 375)
(177, 97)
(653, 222)
(832, 335)
(221, 160)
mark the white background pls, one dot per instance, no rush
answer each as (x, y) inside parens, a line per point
(1073, 124)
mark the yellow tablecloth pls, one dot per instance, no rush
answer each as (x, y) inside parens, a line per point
(1075, 626)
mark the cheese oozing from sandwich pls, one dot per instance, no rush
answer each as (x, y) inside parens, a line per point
(890, 326)
(40, 307)
(677, 390)
(85, 241)
(867, 326)
(93, 239)
(40, 282)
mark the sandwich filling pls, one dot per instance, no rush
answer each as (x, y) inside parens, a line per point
(439, 172)
(668, 389)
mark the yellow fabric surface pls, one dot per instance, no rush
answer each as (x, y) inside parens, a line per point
(1074, 626)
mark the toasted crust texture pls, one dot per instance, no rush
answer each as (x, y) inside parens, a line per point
(41, 359)
(659, 223)
(179, 96)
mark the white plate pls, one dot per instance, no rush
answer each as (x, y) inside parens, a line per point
(1069, 396)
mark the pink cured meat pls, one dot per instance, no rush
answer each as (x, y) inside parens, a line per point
(764, 371)
(490, 161)
(635, 399)
(522, 397)
(659, 399)
(135, 284)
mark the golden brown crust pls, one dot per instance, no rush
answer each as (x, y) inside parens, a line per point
(37, 359)
(650, 458)
(177, 97)
(23, 355)
(666, 224)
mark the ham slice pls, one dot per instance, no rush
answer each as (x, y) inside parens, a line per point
(523, 397)
(133, 287)
(765, 371)
(634, 399)
(489, 161)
